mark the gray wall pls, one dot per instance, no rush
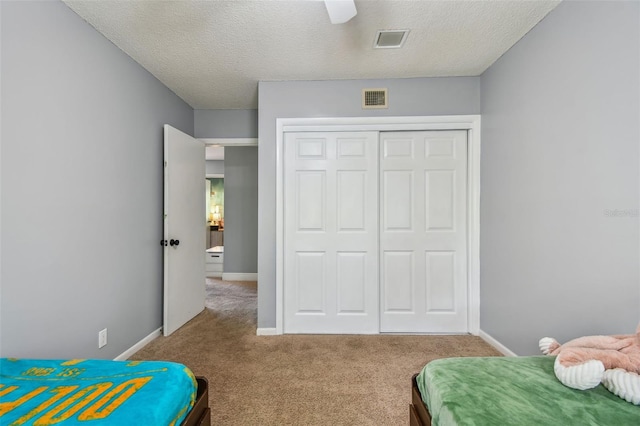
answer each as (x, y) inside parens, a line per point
(560, 134)
(214, 167)
(241, 209)
(340, 98)
(1, 180)
(81, 187)
(226, 123)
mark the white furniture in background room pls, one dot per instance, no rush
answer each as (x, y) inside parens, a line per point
(214, 258)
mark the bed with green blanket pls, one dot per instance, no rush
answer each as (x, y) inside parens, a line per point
(509, 391)
(100, 392)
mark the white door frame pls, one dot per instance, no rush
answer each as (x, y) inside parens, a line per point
(228, 142)
(471, 123)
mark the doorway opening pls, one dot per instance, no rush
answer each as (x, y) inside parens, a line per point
(229, 293)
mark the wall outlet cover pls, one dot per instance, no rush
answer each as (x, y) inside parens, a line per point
(102, 338)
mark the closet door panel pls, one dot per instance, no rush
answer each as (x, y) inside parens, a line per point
(439, 198)
(331, 225)
(398, 201)
(310, 272)
(398, 282)
(434, 199)
(310, 198)
(351, 284)
(440, 281)
(351, 193)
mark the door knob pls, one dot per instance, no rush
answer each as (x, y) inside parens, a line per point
(173, 242)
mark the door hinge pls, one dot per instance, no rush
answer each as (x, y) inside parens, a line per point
(165, 164)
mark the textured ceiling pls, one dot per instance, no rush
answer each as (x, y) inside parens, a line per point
(213, 53)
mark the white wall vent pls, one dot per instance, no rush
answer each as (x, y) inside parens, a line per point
(374, 98)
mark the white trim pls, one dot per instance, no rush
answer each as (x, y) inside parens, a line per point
(279, 226)
(497, 345)
(350, 124)
(473, 228)
(240, 276)
(215, 175)
(141, 344)
(230, 141)
(268, 331)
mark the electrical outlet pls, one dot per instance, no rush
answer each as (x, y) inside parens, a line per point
(102, 338)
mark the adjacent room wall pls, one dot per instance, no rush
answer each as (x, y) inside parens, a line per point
(560, 166)
(214, 167)
(286, 99)
(226, 123)
(241, 210)
(240, 183)
(81, 187)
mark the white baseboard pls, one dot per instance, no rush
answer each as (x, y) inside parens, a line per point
(499, 346)
(266, 332)
(240, 276)
(142, 343)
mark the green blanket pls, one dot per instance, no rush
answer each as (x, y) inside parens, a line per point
(514, 391)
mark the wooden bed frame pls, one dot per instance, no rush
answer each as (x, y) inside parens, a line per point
(200, 414)
(418, 413)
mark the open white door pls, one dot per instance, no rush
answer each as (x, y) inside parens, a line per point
(184, 239)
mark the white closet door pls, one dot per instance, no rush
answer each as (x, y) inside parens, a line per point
(423, 249)
(331, 238)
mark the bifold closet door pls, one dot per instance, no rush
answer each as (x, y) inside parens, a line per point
(331, 232)
(423, 233)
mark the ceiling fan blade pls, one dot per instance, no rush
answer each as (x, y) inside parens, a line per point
(340, 11)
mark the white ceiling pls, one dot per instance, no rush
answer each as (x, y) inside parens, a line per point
(213, 53)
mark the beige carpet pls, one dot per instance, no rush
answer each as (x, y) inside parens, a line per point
(299, 379)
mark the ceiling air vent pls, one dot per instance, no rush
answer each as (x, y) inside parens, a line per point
(390, 39)
(374, 98)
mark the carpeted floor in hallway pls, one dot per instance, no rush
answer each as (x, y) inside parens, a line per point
(299, 379)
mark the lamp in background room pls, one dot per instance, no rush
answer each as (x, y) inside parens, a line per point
(215, 213)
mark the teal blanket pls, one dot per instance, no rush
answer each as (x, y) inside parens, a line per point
(94, 392)
(517, 391)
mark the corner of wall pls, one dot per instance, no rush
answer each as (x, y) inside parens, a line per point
(496, 344)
